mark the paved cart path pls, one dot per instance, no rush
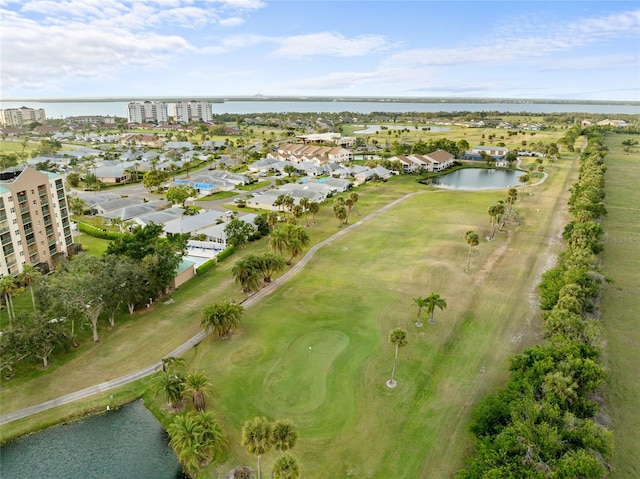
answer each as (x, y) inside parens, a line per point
(182, 349)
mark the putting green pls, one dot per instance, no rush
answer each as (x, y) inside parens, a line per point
(297, 379)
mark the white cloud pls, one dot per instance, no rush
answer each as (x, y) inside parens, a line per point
(330, 44)
(231, 22)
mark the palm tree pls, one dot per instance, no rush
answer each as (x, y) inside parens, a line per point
(30, 274)
(278, 241)
(512, 196)
(171, 363)
(297, 240)
(314, 208)
(472, 240)
(304, 203)
(196, 438)
(341, 213)
(8, 288)
(257, 438)
(286, 467)
(272, 263)
(221, 317)
(524, 179)
(398, 339)
(171, 384)
(284, 435)
(419, 302)
(495, 213)
(354, 199)
(185, 433)
(432, 302)
(197, 384)
(247, 275)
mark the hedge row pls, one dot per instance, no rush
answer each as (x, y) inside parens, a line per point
(207, 265)
(97, 232)
(541, 425)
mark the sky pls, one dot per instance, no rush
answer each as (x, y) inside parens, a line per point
(540, 49)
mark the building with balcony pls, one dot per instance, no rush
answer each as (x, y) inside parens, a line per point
(35, 226)
(186, 111)
(147, 112)
(18, 117)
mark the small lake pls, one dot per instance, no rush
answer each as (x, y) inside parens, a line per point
(478, 179)
(123, 443)
(377, 128)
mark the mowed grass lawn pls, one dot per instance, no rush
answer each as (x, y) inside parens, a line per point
(316, 350)
(621, 303)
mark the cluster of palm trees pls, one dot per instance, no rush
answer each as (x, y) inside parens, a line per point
(252, 271)
(289, 238)
(286, 203)
(260, 435)
(195, 435)
(398, 336)
(428, 304)
(342, 207)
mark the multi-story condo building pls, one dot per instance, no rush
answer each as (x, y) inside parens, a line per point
(147, 112)
(18, 117)
(34, 220)
(186, 111)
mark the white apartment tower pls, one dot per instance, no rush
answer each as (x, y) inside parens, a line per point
(147, 112)
(18, 117)
(186, 111)
(34, 220)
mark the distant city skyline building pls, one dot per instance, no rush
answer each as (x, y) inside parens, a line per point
(147, 112)
(186, 111)
(18, 117)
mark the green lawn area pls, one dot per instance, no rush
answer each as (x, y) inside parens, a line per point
(316, 350)
(621, 303)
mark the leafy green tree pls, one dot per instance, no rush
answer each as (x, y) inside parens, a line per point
(257, 438)
(432, 302)
(398, 339)
(472, 239)
(222, 318)
(238, 232)
(154, 179)
(286, 467)
(180, 194)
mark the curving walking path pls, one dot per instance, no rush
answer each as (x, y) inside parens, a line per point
(182, 349)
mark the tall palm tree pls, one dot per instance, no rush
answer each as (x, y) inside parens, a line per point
(297, 240)
(286, 467)
(472, 240)
(30, 274)
(432, 302)
(198, 385)
(354, 199)
(257, 438)
(171, 384)
(398, 339)
(512, 196)
(304, 203)
(419, 302)
(247, 275)
(221, 317)
(314, 208)
(341, 213)
(8, 288)
(285, 435)
(278, 241)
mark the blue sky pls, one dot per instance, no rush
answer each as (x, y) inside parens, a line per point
(476, 49)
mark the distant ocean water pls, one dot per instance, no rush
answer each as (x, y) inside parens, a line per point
(64, 109)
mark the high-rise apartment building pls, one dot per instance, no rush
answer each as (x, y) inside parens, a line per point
(34, 220)
(18, 117)
(147, 112)
(186, 111)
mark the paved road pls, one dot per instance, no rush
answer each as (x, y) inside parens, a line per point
(98, 388)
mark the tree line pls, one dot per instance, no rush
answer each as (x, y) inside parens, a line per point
(542, 424)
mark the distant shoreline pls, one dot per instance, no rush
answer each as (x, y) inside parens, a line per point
(261, 98)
